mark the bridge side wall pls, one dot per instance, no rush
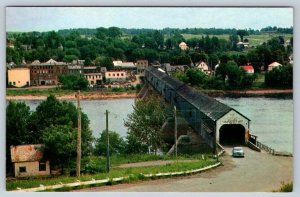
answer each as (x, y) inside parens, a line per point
(204, 126)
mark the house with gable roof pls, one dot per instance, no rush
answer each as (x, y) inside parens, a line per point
(28, 160)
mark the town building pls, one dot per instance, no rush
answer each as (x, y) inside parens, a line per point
(173, 68)
(18, 77)
(248, 69)
(93, 74)
(93, 78)
(28, 161)
(46, 73)
(141, 65)
(75, 69)
(124, 65)
(183, 46)
(115, 76)
(273, 65)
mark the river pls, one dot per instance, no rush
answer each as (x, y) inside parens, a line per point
(271, 118)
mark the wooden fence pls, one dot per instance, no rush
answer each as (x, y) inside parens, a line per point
(265, 147)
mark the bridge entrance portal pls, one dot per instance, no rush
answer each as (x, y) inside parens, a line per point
(232, 134)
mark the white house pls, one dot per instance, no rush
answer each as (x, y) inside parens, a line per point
(183, 46)
(273, 65)
(203, 67)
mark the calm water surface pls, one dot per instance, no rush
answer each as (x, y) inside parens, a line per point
(271, 118)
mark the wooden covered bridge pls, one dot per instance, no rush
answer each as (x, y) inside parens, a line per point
(214, 121)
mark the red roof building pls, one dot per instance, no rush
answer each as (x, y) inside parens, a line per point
(248, 68)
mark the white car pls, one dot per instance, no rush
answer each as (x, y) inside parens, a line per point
(238, 152)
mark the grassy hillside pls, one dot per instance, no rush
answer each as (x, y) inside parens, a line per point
(254, 40)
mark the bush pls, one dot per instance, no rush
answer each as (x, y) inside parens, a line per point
(73, 82)
(280, 77)
(116, 144)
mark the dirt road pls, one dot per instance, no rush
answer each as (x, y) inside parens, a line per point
(257, 172)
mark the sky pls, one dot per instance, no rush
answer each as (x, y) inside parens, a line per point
(55, 18)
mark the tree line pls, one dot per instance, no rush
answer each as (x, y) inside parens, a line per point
(107, 44)
(94, 45)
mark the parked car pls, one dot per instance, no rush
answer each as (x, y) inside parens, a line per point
(238, 152)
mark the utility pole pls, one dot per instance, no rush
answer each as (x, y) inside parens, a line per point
(175, 131)
(107, 144)
(78, 161)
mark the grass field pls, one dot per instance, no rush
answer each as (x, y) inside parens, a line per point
(134, 172)
(254, 40)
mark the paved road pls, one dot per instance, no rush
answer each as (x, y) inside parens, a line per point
(257, 172)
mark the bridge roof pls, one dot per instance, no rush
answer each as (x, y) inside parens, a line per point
(173, 83)
(207, 105)
(157, 73)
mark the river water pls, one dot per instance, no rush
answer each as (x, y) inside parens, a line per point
(271, 118)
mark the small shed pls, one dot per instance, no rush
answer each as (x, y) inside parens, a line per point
(28, 161)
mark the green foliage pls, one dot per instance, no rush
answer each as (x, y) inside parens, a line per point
(133, 145)
(195, 76)
(55, 112)
(96, 165)
(60, 144)
(145, 122)
(73, 82)
(181, 60)
(286, 187)
(17, 123)
(181, 76)
(104, 62)
(116, 144)
(280, 77)
(234, 74)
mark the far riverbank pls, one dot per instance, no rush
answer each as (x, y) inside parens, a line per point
(89, 96)
(101, 96)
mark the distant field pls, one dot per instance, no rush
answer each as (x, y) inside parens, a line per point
(254, 40)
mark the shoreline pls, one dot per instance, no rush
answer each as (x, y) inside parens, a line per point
(93, 96)
(212, 93)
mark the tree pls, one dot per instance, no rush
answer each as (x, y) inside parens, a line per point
(145, 122)
(60, 144)
(242, 33)
(181, 76)
(18, 116)
(195, 76)
(181, 60)
(134, 146)
(55, 112)
(234, 74)
(114, 32)
(73, 82)
(104, 62)
(159, 38)
(280, 77)
(116, 144)
(101, 33)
